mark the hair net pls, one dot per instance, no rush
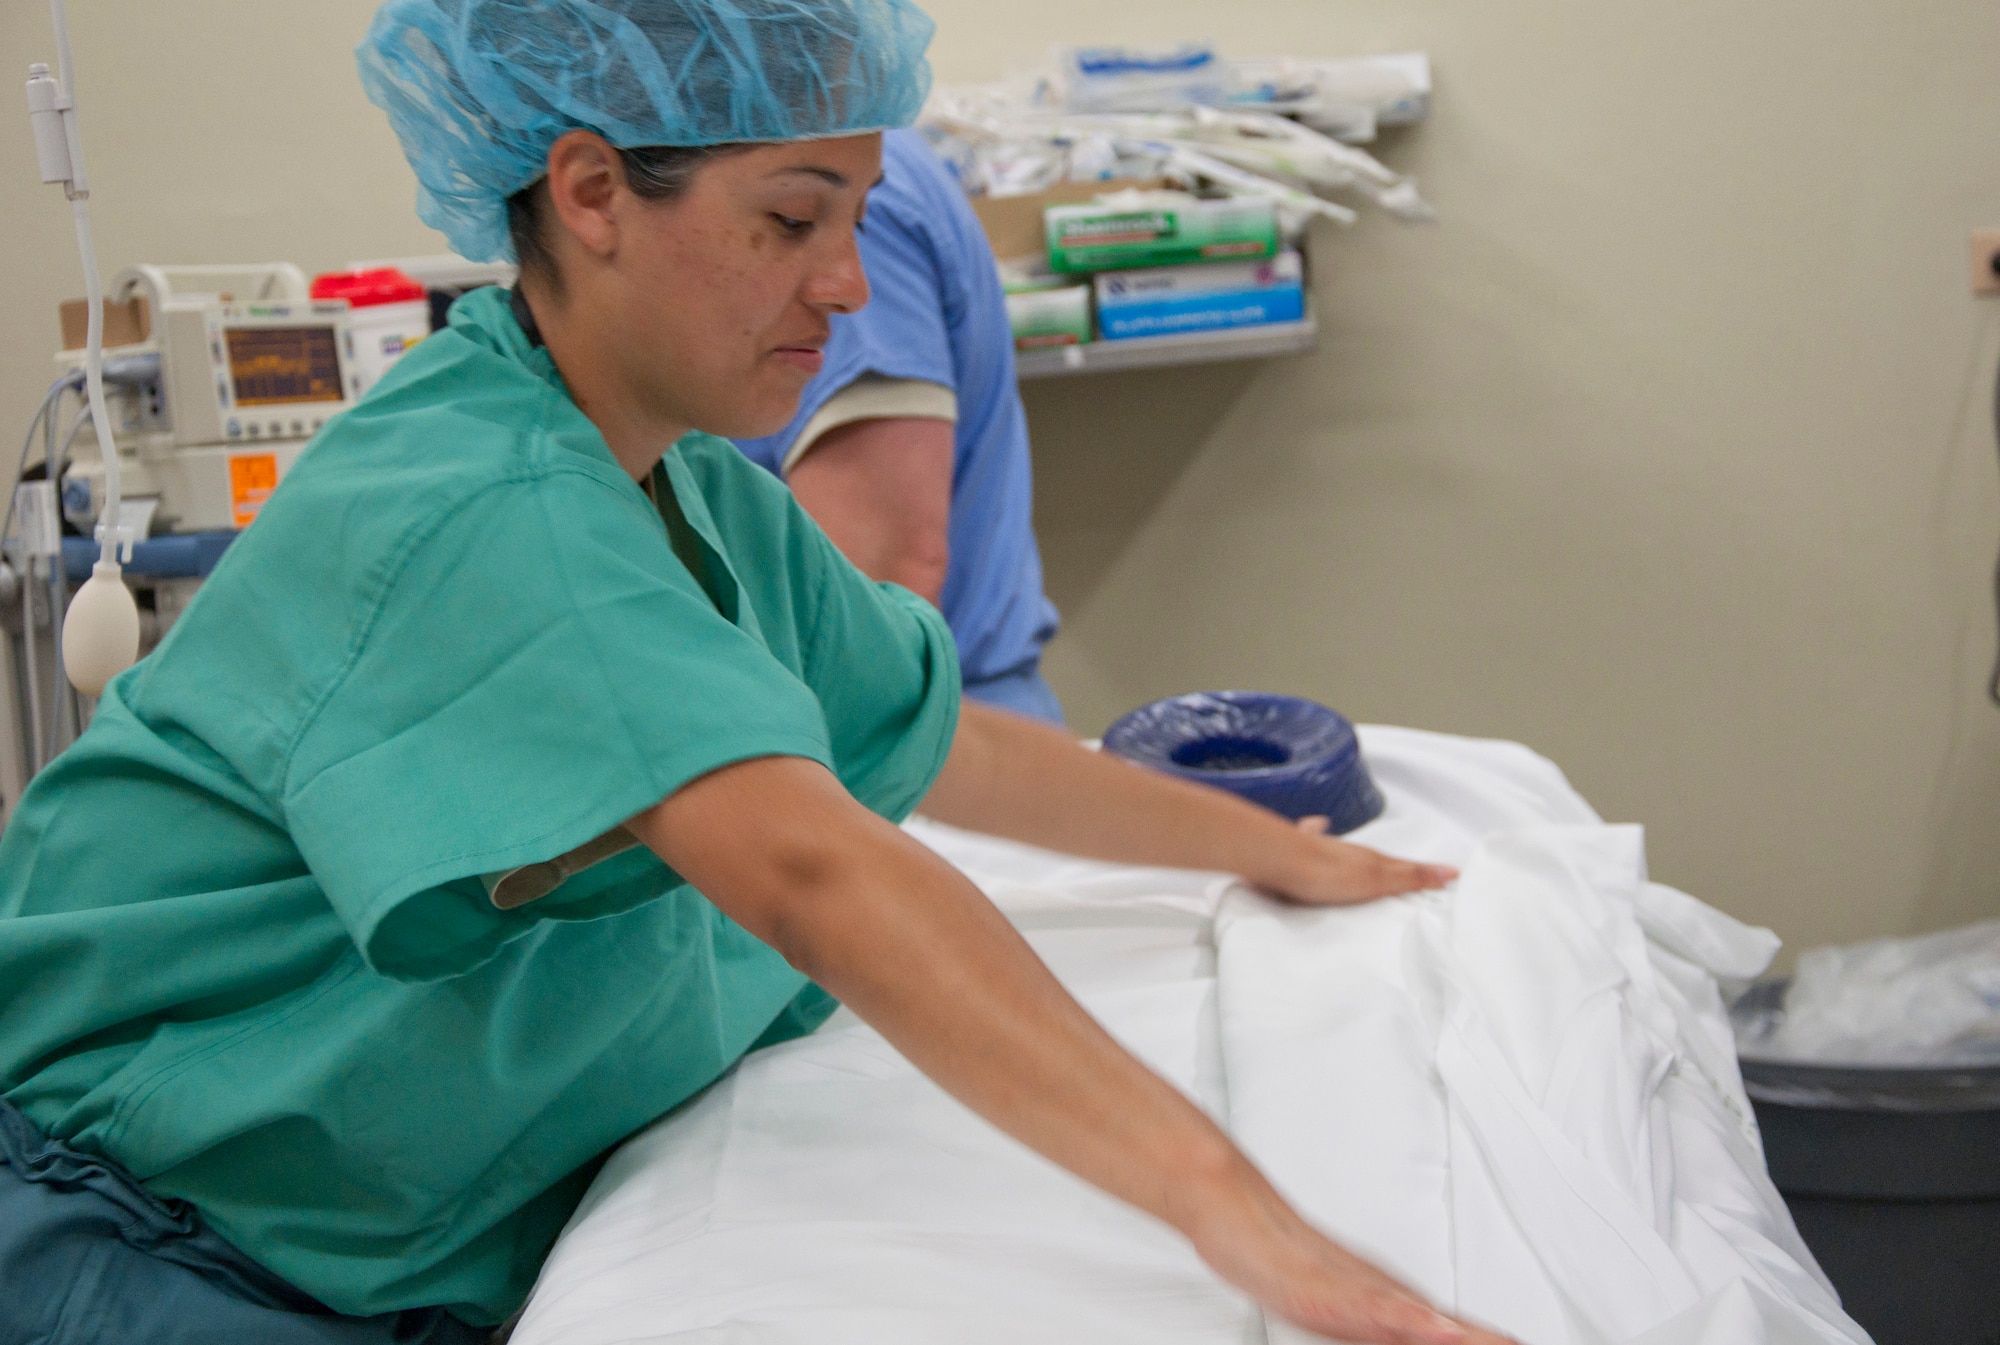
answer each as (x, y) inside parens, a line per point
(478, 90)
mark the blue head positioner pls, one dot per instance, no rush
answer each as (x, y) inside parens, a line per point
(1293, 756)
(478, 90)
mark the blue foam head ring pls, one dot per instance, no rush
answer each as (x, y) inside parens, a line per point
(1295, 757)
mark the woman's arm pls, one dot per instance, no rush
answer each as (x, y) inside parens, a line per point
(881, 489)
(903, 939)
(1014, 777)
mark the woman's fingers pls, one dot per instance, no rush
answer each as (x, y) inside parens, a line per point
(1260, 1244)
(1425, 877)
(1323, 870)
(1357, 873)
(1367, 874)
(1382, 1317)
(1351, 1300)
(1314, 1283)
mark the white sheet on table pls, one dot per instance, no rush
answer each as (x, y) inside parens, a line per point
(1521, 1095)
(827, 1192)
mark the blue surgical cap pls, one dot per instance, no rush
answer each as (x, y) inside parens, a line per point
(478, 90)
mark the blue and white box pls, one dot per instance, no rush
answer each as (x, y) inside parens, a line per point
(1174, 300)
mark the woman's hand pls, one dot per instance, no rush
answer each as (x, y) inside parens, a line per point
(1323, 870)
(1252, 1239)
(1017, 778)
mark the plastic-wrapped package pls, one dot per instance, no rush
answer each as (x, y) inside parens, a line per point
(1114, 79)
(1256, 129)
(1347, 98)
(998, 155)
(1933, 1000)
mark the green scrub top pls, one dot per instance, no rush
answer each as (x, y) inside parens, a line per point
(247, 944)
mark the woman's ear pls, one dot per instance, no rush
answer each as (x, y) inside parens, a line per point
(585, 174)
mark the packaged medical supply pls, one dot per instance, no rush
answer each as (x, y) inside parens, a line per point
(1276, 149)
(1116, 79)
(1346, 98)
(1049, 317)
(390, 313)
(1157, 229)
(1264, 128)
(1209, 298)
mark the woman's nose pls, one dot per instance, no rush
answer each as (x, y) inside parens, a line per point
(840, 286)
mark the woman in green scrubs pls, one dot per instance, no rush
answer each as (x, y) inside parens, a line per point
(534, 757)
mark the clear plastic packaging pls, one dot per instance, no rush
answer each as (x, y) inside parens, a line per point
(1929, 1001)
(1261, 129)
(1118, 79)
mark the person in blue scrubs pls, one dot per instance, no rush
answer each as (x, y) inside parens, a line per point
(911, 445)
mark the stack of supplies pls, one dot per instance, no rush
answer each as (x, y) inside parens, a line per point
(1139, 262)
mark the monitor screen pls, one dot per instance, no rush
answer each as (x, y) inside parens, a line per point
(275, 365)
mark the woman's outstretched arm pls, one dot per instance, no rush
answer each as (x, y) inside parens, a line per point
(1015, 777)
(910, 945)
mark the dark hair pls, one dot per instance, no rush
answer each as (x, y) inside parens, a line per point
(654, 172)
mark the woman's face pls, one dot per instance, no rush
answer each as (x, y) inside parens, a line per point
(726, 291)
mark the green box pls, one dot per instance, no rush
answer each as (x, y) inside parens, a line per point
(1111, 237)
(1050, 317)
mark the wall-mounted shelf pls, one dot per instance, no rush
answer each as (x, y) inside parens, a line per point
(1159, 352)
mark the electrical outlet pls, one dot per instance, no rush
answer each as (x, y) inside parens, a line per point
(1986, 261)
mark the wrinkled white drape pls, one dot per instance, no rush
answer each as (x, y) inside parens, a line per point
(1521, 1095)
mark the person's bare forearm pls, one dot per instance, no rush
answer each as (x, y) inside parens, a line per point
(1024, 780)
(904, 940)
(1014, 777)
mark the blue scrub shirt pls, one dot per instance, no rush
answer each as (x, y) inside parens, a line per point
(938, 314)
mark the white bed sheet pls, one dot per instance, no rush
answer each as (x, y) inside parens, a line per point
(1521, 1095)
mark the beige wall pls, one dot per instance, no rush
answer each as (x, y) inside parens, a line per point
(1667, 452)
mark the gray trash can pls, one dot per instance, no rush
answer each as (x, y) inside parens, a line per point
(1893, 1177)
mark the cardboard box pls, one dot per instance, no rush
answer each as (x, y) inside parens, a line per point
(124, 324)
(1014, 225)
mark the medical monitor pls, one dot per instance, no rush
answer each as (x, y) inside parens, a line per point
(257, 371)
(275, 366)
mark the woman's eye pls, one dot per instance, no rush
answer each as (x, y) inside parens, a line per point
(797, 228)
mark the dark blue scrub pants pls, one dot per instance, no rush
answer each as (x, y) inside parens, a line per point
(89, 1257)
